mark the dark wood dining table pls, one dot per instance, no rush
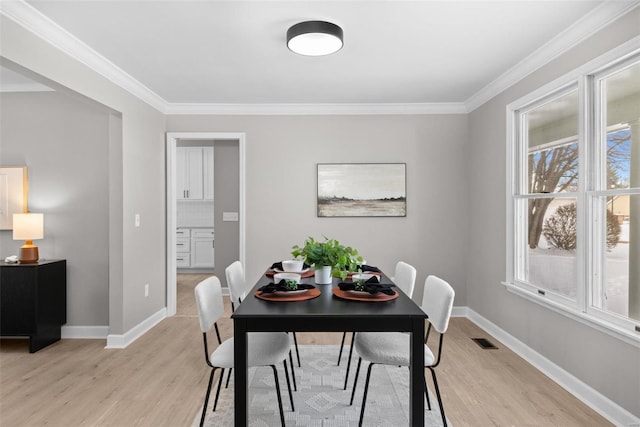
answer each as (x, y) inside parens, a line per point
(328, 313)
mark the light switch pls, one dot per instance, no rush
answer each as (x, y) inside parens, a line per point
(229, 216)
(137, 220)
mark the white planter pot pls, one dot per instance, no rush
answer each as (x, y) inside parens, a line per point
(323, 275)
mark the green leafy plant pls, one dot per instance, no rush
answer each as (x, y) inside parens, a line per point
(292, 285)
(329, 252)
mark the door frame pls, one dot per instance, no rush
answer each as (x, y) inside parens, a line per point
(171, 203)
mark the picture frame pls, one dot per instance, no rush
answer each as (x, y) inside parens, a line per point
(13, 194)
(362, 190)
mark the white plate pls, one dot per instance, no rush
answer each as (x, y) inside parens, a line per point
(299, 291)
(362, 293)
(304, 270)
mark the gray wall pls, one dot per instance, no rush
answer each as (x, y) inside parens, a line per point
(64, 144)
(136, 183)
(603, 362)
(226, 189)
(281, 157)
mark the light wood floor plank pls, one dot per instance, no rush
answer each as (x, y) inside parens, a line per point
(160, 379)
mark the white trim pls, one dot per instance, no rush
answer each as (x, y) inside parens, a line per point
(171, 143)
(123, 340)
(84, 332)
(33, 20)
(591, 397)
(318, 109)
(588, 25)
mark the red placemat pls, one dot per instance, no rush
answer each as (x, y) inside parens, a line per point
(285, 296)
(364, 297)
(309, 273)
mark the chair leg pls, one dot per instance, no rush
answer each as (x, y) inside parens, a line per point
(275, 376)
(364, 397)
(426, 393)
(344, 335)
(286, 374)
(228, 378)
(215, 402)
(346, 377)
(295, 343)
(355, 381)
(435, 385)
(206, 397)
(293, 373)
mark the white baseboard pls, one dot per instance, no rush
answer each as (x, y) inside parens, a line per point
(122, 341)
(592, 398)
(84, 332)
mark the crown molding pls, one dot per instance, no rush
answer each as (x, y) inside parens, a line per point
(317, 109)
(31, 19)
(588, 25)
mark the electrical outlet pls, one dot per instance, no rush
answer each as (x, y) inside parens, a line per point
(146, 290)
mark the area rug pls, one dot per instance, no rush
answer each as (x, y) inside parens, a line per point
(320, 400)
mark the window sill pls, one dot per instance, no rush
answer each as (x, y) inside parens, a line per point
(629, 337)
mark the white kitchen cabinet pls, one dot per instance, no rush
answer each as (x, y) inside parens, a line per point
(202, 252)
(183, 245)
(194, 168)
(195, 248)
(183, 260)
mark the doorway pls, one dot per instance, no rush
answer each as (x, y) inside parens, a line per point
(171, 201)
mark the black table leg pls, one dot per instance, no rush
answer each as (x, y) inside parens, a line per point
(240, 372)
(416, 379)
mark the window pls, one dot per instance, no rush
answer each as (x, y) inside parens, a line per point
(574, 195)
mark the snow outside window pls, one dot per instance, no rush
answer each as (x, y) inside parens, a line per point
(574, 196)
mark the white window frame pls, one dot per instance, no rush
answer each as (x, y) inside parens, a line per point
(591, 192)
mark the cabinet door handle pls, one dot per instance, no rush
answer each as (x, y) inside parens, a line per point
(213, 243)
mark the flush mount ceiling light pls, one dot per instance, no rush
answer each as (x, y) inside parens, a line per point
(314, 38)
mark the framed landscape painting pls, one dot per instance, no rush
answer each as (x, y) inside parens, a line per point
(362, 189)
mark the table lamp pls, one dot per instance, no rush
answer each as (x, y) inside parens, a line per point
(28, 227)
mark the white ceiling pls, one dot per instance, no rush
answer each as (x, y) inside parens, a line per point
(395, 52)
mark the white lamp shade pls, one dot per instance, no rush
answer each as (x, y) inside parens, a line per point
(28, 226)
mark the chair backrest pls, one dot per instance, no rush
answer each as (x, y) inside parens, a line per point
(235, 281)
(437, 302)
(405, 277)
(209, 302)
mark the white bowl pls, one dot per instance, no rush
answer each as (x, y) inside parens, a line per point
(363, 276)
(286, 276)
(292, 265)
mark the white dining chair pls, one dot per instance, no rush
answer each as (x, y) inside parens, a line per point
(393, 348)
(236, 283)
(237, 293)
(264, 348)
(404, 278)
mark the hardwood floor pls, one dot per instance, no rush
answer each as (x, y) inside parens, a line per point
(160, 379)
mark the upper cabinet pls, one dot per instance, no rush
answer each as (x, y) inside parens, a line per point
(195, 173)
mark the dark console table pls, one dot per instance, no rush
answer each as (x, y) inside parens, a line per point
(33, 299)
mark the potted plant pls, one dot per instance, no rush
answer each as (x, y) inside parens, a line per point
(329, 258)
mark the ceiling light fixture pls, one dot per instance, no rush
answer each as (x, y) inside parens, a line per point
(314, 38)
